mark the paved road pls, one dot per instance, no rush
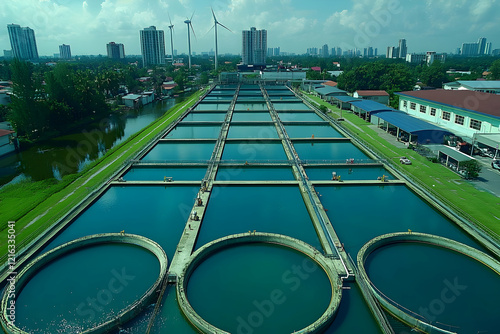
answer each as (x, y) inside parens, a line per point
(489, 178)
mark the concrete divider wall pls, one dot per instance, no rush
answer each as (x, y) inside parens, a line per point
(238, 239)
(126, 314)
(434, 240)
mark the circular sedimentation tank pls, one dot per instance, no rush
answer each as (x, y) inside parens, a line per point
(290, 275)
(440, 244)
(125, 314)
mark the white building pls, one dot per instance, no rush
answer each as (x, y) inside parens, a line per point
(468, 114)
(254, 49)
(484, 86)
(152, 46)
(64, 51)
(115, 50)
(22, 41)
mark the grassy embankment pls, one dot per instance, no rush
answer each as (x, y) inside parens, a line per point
(480, 207)
(34, 206)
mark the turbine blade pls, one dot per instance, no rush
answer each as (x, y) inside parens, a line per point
(169, 19)
(191, 16)
(223, 26)
(192, 29)
(209, 30)
(215, 19)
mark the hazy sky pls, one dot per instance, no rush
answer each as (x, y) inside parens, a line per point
(293, 25)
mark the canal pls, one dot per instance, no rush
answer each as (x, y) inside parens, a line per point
(70, 153)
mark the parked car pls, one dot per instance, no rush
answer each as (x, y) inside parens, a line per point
(495, 164)
(405, 161)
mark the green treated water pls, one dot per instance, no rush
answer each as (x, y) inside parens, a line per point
(451, 290)
(251, 117)
(246, 173)
(252, 131)
(156, 212)
(274, 209)
(347, 173)
(328, 151)
(253, 150)
(250, 107)
(299, 117)
(194, 132)
(259, 288)
(212, 106)
(158, 174)
(308, 131)
(181, 151)
(204, 117)
(85, 288)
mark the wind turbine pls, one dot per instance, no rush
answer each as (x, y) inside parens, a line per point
(188, 22)
(171, 26)
(216, 45)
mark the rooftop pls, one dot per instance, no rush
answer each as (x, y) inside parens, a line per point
(476, 84)
(372, 93)
(5, 132)
(484, 103)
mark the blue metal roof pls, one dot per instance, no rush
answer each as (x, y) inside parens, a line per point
(370, 106)
(409, 123)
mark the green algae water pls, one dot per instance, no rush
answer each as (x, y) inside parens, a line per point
(212, 107)
(252, 131)
(447, 289)
(155, 212)
(251, 117)
(308, 131)
(253, 150)
(204, 117)
(328, 151)
(85, 288)
(180, 151)
(158, 173)
(194, 132)
(361, 213)
(259, 288)
(246, 173)
(348, 173)
(274, 209)
(299, 117)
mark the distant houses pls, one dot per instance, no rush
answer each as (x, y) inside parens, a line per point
(380, 96)
(137, 100)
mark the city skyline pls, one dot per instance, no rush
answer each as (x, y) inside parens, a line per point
(89, 25)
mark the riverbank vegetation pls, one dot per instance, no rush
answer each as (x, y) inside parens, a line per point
(37, 205)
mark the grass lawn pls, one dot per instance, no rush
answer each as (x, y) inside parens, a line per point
(479, 207)
(35, 206)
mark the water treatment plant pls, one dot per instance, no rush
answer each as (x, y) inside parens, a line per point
(256, 213)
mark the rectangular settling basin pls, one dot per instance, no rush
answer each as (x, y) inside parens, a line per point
(252, 131)
(249, 173)
(299, 117)
(176, 151)
(308, 131)
(186, 131)
(339, 151)
(249, 150)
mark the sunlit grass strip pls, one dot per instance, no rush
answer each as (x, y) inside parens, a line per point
(435, 178)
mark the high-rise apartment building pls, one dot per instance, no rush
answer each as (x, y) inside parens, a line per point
(324, 51)
(481, 46)
(254, 47)
(402, 49)
(64, 51)
(22, 41)
(152, 46)
(115, 50)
